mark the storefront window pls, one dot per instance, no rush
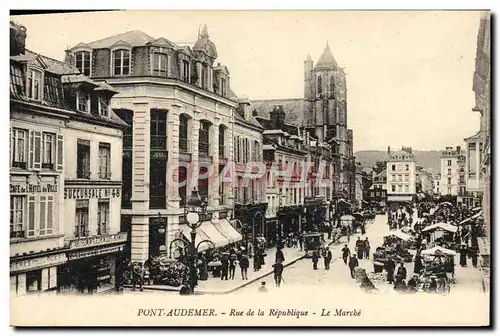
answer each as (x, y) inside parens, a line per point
(34, 281)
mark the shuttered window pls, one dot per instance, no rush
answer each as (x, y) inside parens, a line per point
(104, 160)
(17, 216)
(46, 215)
(31, 216)
(102, 217)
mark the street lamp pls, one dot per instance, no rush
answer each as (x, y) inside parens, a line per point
(195, 211)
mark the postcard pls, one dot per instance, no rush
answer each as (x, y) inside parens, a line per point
(250, 168)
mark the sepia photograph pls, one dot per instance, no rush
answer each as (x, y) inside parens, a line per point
(250, 168)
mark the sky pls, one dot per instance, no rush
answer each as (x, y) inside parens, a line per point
(409, 74)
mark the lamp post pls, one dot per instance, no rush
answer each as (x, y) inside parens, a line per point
(195, 211)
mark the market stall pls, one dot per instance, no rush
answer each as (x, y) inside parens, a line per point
(441, 234)
(439, 269)
(398, 243)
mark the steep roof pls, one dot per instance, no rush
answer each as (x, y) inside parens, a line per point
(53, 65)
(477, 135)
(294, 108)
(327, 61)
(135, 38)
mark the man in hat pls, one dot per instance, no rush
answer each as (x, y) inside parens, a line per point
(278, 272)
(345, 253)
(262, 288)
(327, 258)
(353, 263)
(390, 265)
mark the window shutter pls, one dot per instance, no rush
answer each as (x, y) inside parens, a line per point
(31, 216)
(37, 150)
(109, 163)
(31, 145)
(50, 214)
(60, 152)
(169, 66)
(10, 147)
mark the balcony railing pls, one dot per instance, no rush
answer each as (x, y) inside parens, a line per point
(18, 234)
(157, 202)
(82, 233)
(203, 148)
(184, 145)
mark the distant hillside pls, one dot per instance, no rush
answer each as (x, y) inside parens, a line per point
(427, 159)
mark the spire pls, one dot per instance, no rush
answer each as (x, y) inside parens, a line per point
(204, 32)
(327, 60)
(308, 59)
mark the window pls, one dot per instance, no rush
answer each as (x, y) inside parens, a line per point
(449, 180)
(393, 168)
(407, 177)
(158, 129)
(17, 80)
(34, 281)
(34, 84)
(320, 85)
(121, 62)
(203, 76)
(221, 141)
(160, 63)
(82, 219)
(407, 167)
(449, 163)
(102, 217)
(128, 117)
(407, 188)
(104, 160)
(19, 148)
(182, 180)
(223, 87)
(83, 159)
(48, 144)
(17, 215)
(103, 107)
(332, 87)
(393, 177)
(185, 71)
(203, 139)
(449, 171)
(449, 191)
(53, 89)
(82, 62)
(83, 101)
(183, 133)
(400, 177)
(46, 215)
(393, 188)
(400, 187)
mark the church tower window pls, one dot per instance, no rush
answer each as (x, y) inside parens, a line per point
(320, 85)
(332, 87)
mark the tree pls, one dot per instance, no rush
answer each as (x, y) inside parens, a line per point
(380, 166)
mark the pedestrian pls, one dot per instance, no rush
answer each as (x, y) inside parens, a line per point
(359, 248)
(315, 258)
(345, 253)
(327, 258)
(262, 288)
(473, 256)
(366, 248)
(463, 256)
(233, 261)
(137, 275)
(418, 265)
(224, 266)
(401, 273)
(244, 264)
(353, 263)
(279, 255)
(256, 260)
(390, 265)
(301, 240)
(278, 272)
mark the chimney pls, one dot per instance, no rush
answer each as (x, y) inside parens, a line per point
(69, 58)
(18, 35)
(388, 150)
(458, 150)
(254, 113)
(273, 116)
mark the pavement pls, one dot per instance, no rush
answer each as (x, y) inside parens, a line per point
(216, 286)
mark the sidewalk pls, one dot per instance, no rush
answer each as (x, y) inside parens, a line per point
(216, 286)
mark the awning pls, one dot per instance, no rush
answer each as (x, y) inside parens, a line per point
(471, 218)
(399, 234)
(438, 250)
(441, 226)
(399, 198)
(206, 231)
(225, 227)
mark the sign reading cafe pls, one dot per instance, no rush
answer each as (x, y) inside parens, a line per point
(85, 193)
(32, 188)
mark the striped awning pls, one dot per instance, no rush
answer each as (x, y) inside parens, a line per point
(399, 198)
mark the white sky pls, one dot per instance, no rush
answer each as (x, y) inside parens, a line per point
(409, 73)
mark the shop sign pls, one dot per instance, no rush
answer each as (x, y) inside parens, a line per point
(95, 252)
(86, 193)
(32, 188)
(95, 241)
(36, 263)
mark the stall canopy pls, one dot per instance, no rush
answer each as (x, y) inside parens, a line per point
(399, 234)
(438, 250)
(441, 226)
(344, 201)
(471, 218)
(347, 218)
(225, 227)
(446, 203)
(399, 198)
(206, 231)
(476, 209)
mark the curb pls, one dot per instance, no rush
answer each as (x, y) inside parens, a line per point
(230, 290)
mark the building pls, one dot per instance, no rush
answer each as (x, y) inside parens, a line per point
(462, 180)
(359, 185)
(65, 177)
(175, 100)
(450, 173)
(322, 114)
(250, 203)
(378, 190)
(436, 185)
(478, 155)
(424, 180)
(401, 176)
(298, 175)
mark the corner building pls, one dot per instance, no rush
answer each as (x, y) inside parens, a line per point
(175, 100)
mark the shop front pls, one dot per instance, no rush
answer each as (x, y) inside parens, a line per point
(252, 216)
(271, 231)
(315, 212)
(290, 220)
(94, 265)
(33, 274)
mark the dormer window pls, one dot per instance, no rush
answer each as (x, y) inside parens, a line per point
(223, 87)
(83, 101)
(34, 89)
(103, 107)
(121, 62)
(159, 61)
(185, 73)
(82, 62)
